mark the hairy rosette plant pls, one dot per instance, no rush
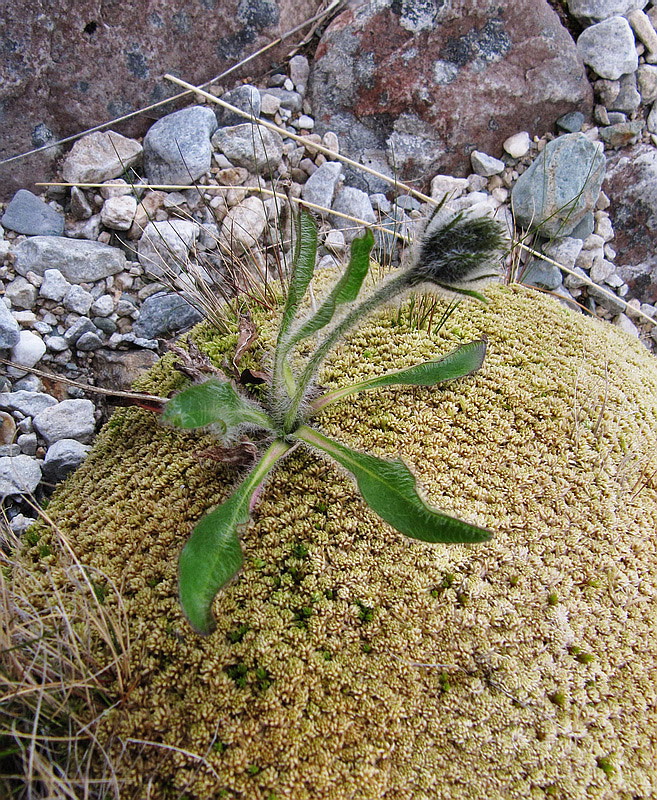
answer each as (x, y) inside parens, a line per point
(455, 255)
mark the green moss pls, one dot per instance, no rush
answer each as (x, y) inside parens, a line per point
(237, 634)
(606, 765)
(558, 698)
(553, 599)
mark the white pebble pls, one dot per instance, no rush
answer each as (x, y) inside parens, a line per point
(517, 145)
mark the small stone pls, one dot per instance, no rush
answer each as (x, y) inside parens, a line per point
(27, 443)
(446, 184)
(78, 300)
(243, 225)
(246, 98)
(486, 165)
(622, 134)
(335, 241)
(299, 72)
(590, 11)
(292, 101)
(305, 122)
(355, 203)
(70, 419)
(54, 285)
(380, 203)
(647, 83)
(98, 156)
(19, 474)
(331, 142)
(601, 270)
(56, 344)
(78, 261)
(28, 214)
(628, 98)
(616, 117)
(623, 322)
(118, 213)
(77, 329)
(269, 104)
(164, 246)
(80, 207)
(163, 314)
(7, 428)
(564, 251)
(517, 145)
(644, 30)
(321, 186)
(651, 122)
(29, 349)
(116, 187)
(571, 122)
(21, 293)
(84, 229)
(254, 147)
(64, 456)
(103, 306)
(608, 48)
(177, 147)
(88, 341)
(27, 402)
(603, 227)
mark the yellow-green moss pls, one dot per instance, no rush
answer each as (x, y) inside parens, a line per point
(345, 663)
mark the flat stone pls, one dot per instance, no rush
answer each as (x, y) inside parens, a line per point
(78, 300)
(28, 214)
(483, 164)
(118, 213)
(98, 156)
(571, 122)
(622, 134)
(18, 475)
(251, 146)
(355, 203)
(609, 48)
(54, 285)
(79, 261)
(246, 98)
(70, 419)
(28, 403)
(21, 293)
(561, 186)
(84, 229)
(164, 246)
(118, 370)
(321, 186)
(163, 314)
(542, 274)
(590, 11)
(177, 148)
(62, 457)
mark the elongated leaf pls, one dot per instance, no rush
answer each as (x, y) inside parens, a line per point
(345, 291)
(214, 402)
(460, 362)
(302, 268)
(213, 555)
(389, 488)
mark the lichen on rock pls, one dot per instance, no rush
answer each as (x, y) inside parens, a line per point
(349, 661)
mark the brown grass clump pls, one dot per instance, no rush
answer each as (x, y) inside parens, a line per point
(350, 662)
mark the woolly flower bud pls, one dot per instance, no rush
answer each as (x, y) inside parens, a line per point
(457, 253)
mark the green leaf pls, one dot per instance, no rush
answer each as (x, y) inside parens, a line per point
(389, 488)
(214, 402)
(460, 362)
(302, 268)
(213, 555)
(345, 291)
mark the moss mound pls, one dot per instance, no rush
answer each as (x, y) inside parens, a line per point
(351, 662)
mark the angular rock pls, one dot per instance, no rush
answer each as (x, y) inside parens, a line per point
(252, 146)
(483, 164)
(28, 403)
(246, 98)
(321, 185)
(88, 341)
(21, 293)
(9, 328)
(244, 225)
(64, 456)
(475, 76)
(118, 370)
(647, 83)
(54, 285)
(103, 306)
(118, 213)
(84, 229)
(70, 419)
(177, 148)
(78, 329)
(18, 475)
(80, 206)
(518, 145)
(590, 11)
(28, 214)
(98, 156)
(564, 251)
(355, 203)
(622, 134)
(164, 246)
(79, 261)
(609, 48)
(631, 184)
(287, 99)
(561, 186)
(299, 72)
(163, 314)
(78, 300)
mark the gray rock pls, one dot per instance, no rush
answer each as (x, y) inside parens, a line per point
(564, 251)
(252, 146)
(164, 246)
(483, 164)
(80, 207)
(27, 443)
(584, 228)
(100, 156)
(70, 419)
(542, 274)
(105, 325)
(103, 306)
(321, 185)
(64, 456)
(78, 300)
(246, 98)
(622, 134)
(243, 226)
(571, 122)
(163, 314)
(84, 229)
(647, 82)
(54, 285)
(79, 261)
(628, 99)
(118, 213)
(177, 148)
(561, 186)
(28, 350)
(356, 204)
(607, 299)
(290, 100)
(590, 11)
(651, 122)
(28, 403)
(18, 475)
(56, 344)
(609, 48)
(88, 341)
(78, 329)
(28, 214)
(299, 72)
(21, 293)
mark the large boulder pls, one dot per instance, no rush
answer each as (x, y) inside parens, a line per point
(349, 661)
(82, 64)
(415, 87)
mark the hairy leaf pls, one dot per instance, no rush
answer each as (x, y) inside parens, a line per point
(460, 362)
(345, 291)
(389, 488)
(214, 402)
(302, 268)
(212, 555)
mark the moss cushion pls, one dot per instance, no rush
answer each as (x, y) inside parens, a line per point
(350, 662)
